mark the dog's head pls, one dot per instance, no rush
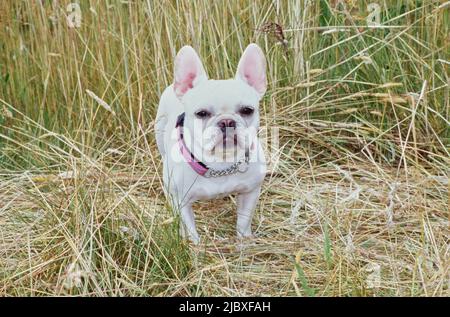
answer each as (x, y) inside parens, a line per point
(222, 116)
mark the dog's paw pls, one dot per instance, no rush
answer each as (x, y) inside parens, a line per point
(195, 240)
(192, 237)
(245, 235)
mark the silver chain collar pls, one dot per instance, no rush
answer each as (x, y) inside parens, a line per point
(234, 168)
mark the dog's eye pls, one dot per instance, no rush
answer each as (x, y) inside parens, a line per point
(202, 114)
(246, 111)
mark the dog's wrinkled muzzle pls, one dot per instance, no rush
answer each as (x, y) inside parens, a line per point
(224, 132)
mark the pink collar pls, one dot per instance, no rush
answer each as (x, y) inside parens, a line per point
(196, 165)
(201, 167)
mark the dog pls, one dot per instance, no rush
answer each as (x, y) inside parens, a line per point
(206, 133)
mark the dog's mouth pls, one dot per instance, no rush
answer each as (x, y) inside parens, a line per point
(229, 140)
(219, 142)
(224, 142)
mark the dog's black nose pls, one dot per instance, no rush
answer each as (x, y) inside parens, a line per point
(226, 123)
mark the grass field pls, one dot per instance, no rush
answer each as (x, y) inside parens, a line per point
(356, 206)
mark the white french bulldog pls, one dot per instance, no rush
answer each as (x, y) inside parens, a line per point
(206, 134)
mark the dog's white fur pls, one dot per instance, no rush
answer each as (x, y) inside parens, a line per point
(191, 92)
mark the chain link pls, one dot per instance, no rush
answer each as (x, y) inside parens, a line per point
(227, 171)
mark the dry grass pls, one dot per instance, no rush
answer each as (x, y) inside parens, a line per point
(361, 186)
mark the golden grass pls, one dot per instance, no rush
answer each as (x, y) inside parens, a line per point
(372, 218)
(357, 205)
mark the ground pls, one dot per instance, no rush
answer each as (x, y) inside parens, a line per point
(332, 230)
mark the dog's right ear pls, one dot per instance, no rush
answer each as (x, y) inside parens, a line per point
(189, 71)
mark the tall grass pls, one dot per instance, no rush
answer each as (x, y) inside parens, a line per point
(362, 113)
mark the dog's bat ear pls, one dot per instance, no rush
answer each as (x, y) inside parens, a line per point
(252, 68)
(188, 69)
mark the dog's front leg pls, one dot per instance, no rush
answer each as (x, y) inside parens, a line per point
(187, 228)
(246, 203)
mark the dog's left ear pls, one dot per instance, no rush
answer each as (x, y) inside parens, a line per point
(252, 68)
